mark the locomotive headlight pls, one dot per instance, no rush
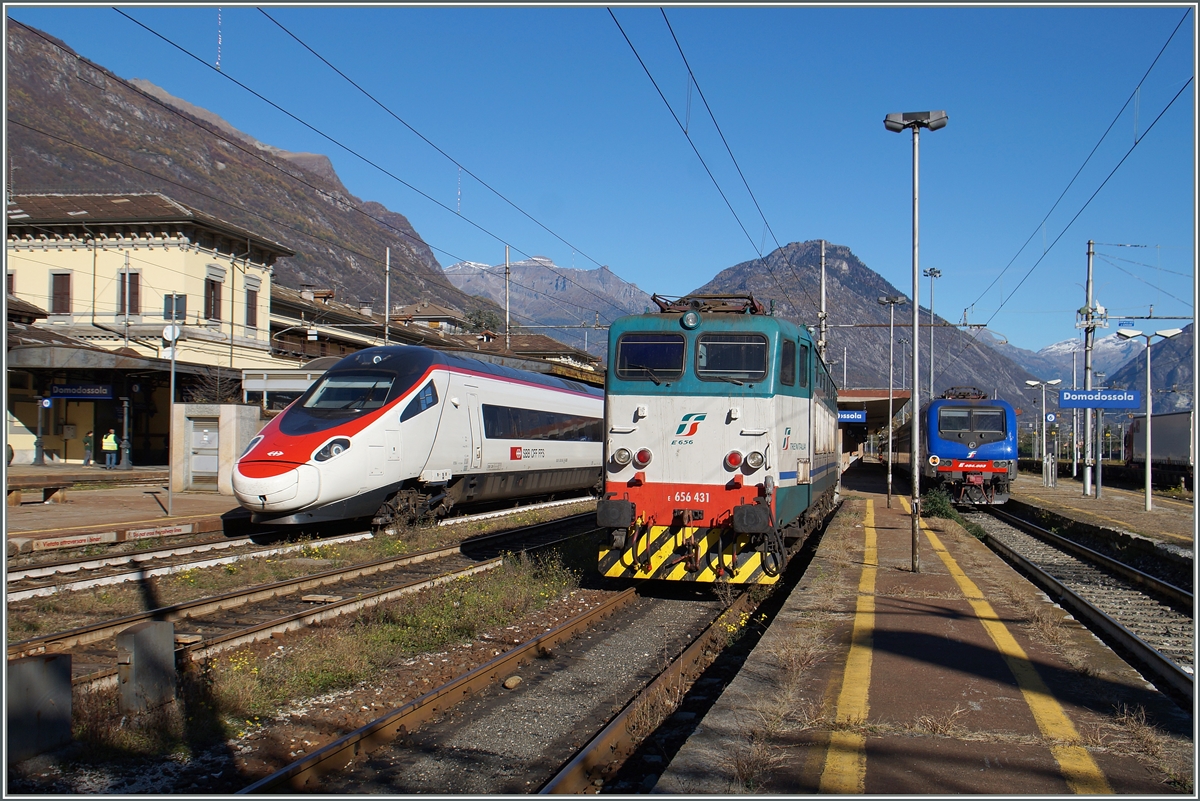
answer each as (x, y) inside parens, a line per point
(332, 448)
(642, 458)
(754, 460)
(250, 447)
(733, 460)
(622, 456)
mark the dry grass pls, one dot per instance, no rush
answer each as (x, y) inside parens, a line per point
(72, 609)
(940, 725)
(750, 760)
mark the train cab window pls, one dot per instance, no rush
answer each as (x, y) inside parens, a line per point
(350, 392)
(803, 371)
(952, 421)
(650, 357)
(988, 420)
(955, 420)
(731, 357)
(787, 363)
(426, 398)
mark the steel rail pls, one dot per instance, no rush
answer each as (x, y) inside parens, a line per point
(141, 573)
(615, 741)
(102, 630)
(1154, 661)
(1176, 595)
(75, 565)
(335, 755)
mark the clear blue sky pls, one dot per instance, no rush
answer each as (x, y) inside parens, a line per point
(551, 107)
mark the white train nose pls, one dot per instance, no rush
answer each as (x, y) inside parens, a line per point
(282, 491)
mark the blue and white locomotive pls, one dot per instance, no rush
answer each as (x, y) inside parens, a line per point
(968, 446)
(720, 446)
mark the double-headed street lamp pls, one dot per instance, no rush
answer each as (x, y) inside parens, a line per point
(1166, 334)
(890, 301)
(1043, 385)
(916, 120)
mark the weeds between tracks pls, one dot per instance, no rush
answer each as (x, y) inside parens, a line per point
(234, 692)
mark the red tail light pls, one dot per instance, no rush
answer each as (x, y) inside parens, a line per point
(643, 457)
(734, 460)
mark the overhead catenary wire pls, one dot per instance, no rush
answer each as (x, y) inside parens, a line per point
(1082, 208)
(1103, 136)
(450, 158)
(703, 163)
(331, 139)
(214, 198)
(767, 226)
(271, 164)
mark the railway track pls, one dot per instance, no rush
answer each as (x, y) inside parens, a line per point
(210, 625)
(47, 578)
(1148, 619)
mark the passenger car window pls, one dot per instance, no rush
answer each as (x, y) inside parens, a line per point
(804, 365)
(426, 398)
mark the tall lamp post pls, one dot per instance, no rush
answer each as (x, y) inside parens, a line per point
(932, 273)
(1043, 385)
(916, 120)
(1167, 334)
(890, 301)
(171, 334)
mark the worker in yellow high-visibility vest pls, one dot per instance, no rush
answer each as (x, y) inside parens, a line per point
(109, 446)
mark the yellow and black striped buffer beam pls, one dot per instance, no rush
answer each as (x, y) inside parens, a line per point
(686, 554)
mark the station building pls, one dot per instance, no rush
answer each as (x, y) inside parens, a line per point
(95, 282)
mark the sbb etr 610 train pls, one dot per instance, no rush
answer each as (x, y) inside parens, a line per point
(720, 452)
(394, 433)
(968, 446)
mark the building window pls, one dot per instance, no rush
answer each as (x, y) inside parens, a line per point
(252, 308)
(135, 291)
(175, 307)
(212, 299)
(60, 293)
(11, 283)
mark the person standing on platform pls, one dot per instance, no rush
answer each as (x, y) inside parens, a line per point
(89, 446)
(109, 444)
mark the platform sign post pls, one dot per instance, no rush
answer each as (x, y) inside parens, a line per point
(171, 334)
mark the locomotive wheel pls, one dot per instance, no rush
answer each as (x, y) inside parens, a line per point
(406, 508)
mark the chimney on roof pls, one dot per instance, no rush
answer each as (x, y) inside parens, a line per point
(364, 307)
(306, 292)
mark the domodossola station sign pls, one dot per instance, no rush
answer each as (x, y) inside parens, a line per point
(1100, 399)
(81, 391)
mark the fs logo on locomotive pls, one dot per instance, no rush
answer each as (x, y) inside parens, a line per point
(687, 427)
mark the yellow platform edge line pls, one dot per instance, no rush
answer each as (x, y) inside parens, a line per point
(1080, 771)
(846, 760)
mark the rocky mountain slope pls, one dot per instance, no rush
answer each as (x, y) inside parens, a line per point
(75, 127)
(858, 325)
(1171, 372)
(541, 292)
(1109, 353)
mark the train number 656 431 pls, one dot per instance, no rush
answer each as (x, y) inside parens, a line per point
(687, 496)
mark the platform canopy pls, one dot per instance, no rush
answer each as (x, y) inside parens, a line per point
(875, 401)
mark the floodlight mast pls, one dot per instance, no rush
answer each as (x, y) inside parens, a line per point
(933, 120)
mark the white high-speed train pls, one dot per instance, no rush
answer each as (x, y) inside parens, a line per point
(394, 433)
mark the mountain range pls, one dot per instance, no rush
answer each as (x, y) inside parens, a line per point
(542, 293)
(75, 127)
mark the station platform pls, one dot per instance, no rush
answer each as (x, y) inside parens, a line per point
(1170, 521)
(107, 506)
(960, 678)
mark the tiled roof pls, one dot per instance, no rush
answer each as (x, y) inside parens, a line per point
(61, 209)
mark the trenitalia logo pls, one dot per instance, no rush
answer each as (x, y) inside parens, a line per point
(689, 424)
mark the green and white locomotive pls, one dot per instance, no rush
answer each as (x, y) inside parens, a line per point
(720, 445)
